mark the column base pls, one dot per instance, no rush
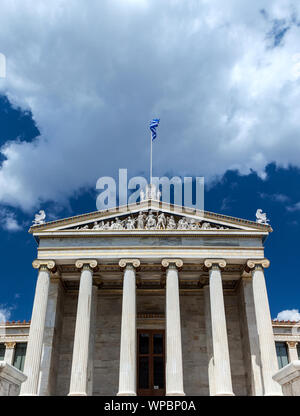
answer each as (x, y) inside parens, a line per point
(28, 394)
(176, 393)
(77, 394)
(273, 394)
(129, 393)
(224, 394)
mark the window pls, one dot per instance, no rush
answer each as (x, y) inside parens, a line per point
(2, 352)
(19, 358)
(151, 363)
(298, 350)
(282, 355)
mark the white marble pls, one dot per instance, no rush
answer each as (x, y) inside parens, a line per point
(9, 352)
(174, 371)
(36, 333)
(47, 367)
(222, 372)
(81, 348)
(292, 351)
(209, 342)
(92, 341)
(127, 371)
(252, 354)
(264, 327)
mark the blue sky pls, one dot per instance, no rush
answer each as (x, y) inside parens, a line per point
(82, 83)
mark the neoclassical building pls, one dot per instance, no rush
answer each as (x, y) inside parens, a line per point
(151, 299)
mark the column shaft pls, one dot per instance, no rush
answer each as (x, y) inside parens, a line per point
(127, 374)
(79, 372)
(9, 352)
(92, 341)
(222, 372)
(174, 372)
(209, 342)
(292, 350)
(250, 335)
(265, 333)
(53, 323)
(36, 333)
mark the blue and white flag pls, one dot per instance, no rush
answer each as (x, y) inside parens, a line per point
(153, 124)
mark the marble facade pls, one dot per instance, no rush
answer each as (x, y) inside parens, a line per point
(201, 281)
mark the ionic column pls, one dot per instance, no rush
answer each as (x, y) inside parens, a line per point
(9, 352)
(251, 335)
(81, 348)
(174, 372)
(292, 350)
(37, 325)
(222, 372)
(264, 327)
(90, 383)
(127, 373)
(209, 342)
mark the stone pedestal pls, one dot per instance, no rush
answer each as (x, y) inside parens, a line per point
(10, 379)
(222, 372)
(36, 333)
(288, 378)
(174, 371)
(264, 327)
(127, 373)
(81, 349)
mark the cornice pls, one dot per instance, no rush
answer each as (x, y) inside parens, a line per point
(181, 210)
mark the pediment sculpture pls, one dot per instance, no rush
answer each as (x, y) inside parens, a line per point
(151, 221)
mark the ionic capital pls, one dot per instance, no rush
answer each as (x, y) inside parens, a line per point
(48, 265)
(86, 264)
(129, 262)
(252, 264)
(177, 263)
(209, 263)
(10, 345)
(292, 344)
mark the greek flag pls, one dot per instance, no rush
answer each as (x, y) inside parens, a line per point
(153, 124)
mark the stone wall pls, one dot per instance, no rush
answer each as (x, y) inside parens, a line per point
(107, 345)
(238, 371)
(107, 341)
(66, 344)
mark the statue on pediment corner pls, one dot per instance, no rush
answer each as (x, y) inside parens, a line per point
(39, 218)
(261, 217)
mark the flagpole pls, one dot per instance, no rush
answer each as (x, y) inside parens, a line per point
(150, 158)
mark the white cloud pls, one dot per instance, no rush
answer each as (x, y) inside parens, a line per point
(8, 220)
(4, 313)
(275, 197)
(288, 315)
(94, 73)
(294, 207)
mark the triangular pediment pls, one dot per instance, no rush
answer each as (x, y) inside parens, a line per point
(149, 216)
